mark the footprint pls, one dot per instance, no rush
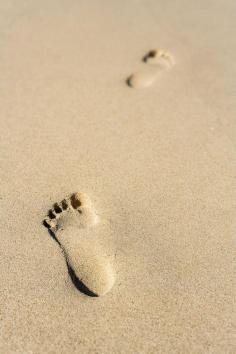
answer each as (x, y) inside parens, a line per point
(69, 223)
(159, 60)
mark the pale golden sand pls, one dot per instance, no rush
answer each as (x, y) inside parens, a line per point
(158, 164)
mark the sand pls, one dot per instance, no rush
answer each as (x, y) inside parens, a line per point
(157, 162)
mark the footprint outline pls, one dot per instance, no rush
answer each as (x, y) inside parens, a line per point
(81, 203)
(158, 60)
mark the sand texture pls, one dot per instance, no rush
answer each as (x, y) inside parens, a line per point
(157, 162)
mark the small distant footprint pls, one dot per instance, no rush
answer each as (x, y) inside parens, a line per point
(160, 61)
(90, 271)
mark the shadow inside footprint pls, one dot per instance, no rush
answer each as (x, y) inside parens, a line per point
(75, 280)
(78, 283)
(52, 234)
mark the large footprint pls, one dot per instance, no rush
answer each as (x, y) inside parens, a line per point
(69, 222)
(160, 61)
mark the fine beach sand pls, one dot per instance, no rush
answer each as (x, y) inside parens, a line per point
(158, 163)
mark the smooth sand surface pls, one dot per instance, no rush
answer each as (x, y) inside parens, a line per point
(158, 164)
